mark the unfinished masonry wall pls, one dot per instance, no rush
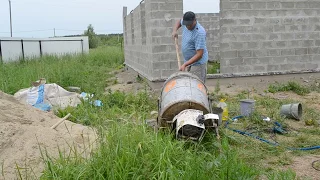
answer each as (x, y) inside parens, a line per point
(149, 48)
(210, 21)
(265, 36)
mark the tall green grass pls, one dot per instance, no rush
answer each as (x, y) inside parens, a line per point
(128, 149)
(88, 71)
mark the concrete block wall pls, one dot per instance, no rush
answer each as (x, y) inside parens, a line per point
(266, 36)
(210, 21)
(149, 47)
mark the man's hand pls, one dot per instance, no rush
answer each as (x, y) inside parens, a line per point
(183, 67)
(174, 34)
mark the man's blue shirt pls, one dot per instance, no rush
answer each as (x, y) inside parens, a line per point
(193, 40)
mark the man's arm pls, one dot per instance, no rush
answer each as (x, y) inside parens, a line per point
(199, 45)
(175, 29)
(194, 59)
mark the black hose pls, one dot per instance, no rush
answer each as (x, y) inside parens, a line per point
(314, 165)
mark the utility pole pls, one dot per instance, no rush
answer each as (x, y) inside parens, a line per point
(10, 17)
(54, 32)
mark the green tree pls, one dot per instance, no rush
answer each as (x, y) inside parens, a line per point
(93, 39)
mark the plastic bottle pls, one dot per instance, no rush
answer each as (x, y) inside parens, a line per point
(223, 105)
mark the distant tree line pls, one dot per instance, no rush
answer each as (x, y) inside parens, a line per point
(96, 40)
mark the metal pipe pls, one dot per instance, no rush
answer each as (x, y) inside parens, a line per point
(10, 17)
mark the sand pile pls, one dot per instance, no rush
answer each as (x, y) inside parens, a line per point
(23, 128)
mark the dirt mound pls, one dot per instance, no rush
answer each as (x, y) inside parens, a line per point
(24, 130)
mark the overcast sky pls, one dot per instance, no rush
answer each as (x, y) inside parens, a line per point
(38, 18)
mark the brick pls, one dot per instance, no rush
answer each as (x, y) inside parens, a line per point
(228, 21)
(229, 5)
(301, 5)
(280, 44)
(314, 50)
(237, 29)
(259, 5)
(292, 28)
(273, 5)
(300, 36)
(273, 52)
(287, 36)
(244, 21)
(266, 29)
(236, 62)
(244, 53)
(159, 48)
(301, 51)
(286, 66)
(314, 4)
(273, 36)
(244, 37)
(260, 20)
(245, 69)
(259, 53)
(311, 66)
(273, 67)
(229, 69)
(244, 5)
(279, 28)
(287, 52)
(287, 5)
(237, 45)
(253, 45)
(259, 68)
(229, 54)
(308, 43)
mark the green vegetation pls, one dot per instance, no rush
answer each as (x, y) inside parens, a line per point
(213, 68)
(128, 149)
(290, 86)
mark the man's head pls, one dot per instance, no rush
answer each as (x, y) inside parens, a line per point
(189, 20)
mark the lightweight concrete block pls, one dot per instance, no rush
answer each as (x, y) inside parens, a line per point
(244, 53)
(227, 22)
(228, 38)
(259, 53)
(229, 54)
(273, 36)
(300, 36)
(314, 4)
(316, 27)
(301, 5)
(292, 28)
(267, 44)
(279, 28)
(273, 67)
(229, 69)
(259, 5)
(288, 21)
(259, 68)
(236, 62)
(294, 43)
(273, 5)
(259, 20)
(308, 43)
(245, 69)
(266, 29)
(252, 29)
(287, 52)
(226, 46)
(280, 44)
(301, 51)
(244, 5)
(237, 45)
(228, 5)
(311, 66)
(287, 36)
(161, 65)
(287, 5)
(167, 72)
(259, 37)
(317, 42)
(314, 50)
(244, 37)
(253, 45)
(244, 22)
(273, 52)
(159, 48)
